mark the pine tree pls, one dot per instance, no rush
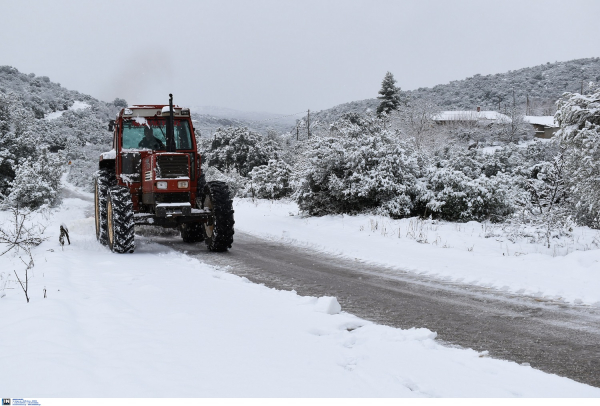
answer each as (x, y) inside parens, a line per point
(390, 95)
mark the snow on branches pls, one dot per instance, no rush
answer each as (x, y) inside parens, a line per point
(579, 136)
(357, 166)
(271, 181)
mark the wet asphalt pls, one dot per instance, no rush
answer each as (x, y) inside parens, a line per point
(554, 337)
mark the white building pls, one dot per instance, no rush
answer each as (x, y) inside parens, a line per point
(480, 117)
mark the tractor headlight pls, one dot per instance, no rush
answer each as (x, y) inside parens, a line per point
(182, 184)
(161, 185)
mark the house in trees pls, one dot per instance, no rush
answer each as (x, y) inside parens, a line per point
(544, 126)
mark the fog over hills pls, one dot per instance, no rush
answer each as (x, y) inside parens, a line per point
(209, 118)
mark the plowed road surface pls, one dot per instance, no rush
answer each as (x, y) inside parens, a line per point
(551, 336)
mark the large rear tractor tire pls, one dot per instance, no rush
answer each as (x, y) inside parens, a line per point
(218, 232)
(120, 226)
(192, 232)
(103, 180)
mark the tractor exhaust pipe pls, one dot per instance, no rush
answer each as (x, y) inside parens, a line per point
(171, 127)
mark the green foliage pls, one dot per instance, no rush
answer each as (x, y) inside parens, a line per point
(238, 149)
(390, 95)
(34, 149)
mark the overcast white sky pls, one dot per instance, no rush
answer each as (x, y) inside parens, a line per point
(284, 56)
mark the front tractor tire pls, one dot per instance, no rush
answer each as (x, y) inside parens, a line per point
(218, 232)
(103, 181)
(192, 232)
(120, 226)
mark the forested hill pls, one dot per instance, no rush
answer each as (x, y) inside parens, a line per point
(206, 124)
(41, 121)
(542, 84)
(41, 96)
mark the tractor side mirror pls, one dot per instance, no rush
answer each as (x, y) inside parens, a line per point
(111, 125)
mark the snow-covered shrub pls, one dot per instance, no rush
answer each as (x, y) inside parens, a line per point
(271, 181)
(357, 166)
(37, 181)
(235, 181)
(452, 195)
(29, 173)
(579, 134)
(238, 149)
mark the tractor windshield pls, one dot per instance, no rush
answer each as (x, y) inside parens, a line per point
(151, 133)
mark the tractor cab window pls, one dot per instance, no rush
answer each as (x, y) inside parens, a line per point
(151, 133)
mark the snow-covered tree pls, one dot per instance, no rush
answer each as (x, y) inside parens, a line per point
(37, 181)
(544, 199)
(513, 127)
(357, 166)
(415, 120)
(239, 149)
(120, 103)
(579, 119)
(389, 95)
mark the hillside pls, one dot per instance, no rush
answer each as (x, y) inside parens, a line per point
(40, 115)
(207, 124)
(42, 96)
(541, 84)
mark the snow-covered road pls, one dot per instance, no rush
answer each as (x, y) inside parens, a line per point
(480, 254)
(553, 337)
(159, 323)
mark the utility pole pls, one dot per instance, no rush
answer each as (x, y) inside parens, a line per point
(527, 109)
(581, 87)
(308, 125)
(297, 135)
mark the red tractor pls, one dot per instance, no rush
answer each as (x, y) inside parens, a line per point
(152, 176)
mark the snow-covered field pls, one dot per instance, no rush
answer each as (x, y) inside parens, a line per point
(158, 323)
(473, 253)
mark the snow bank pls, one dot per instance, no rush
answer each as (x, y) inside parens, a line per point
(158, 323)
(329, 305)
(472, 253)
